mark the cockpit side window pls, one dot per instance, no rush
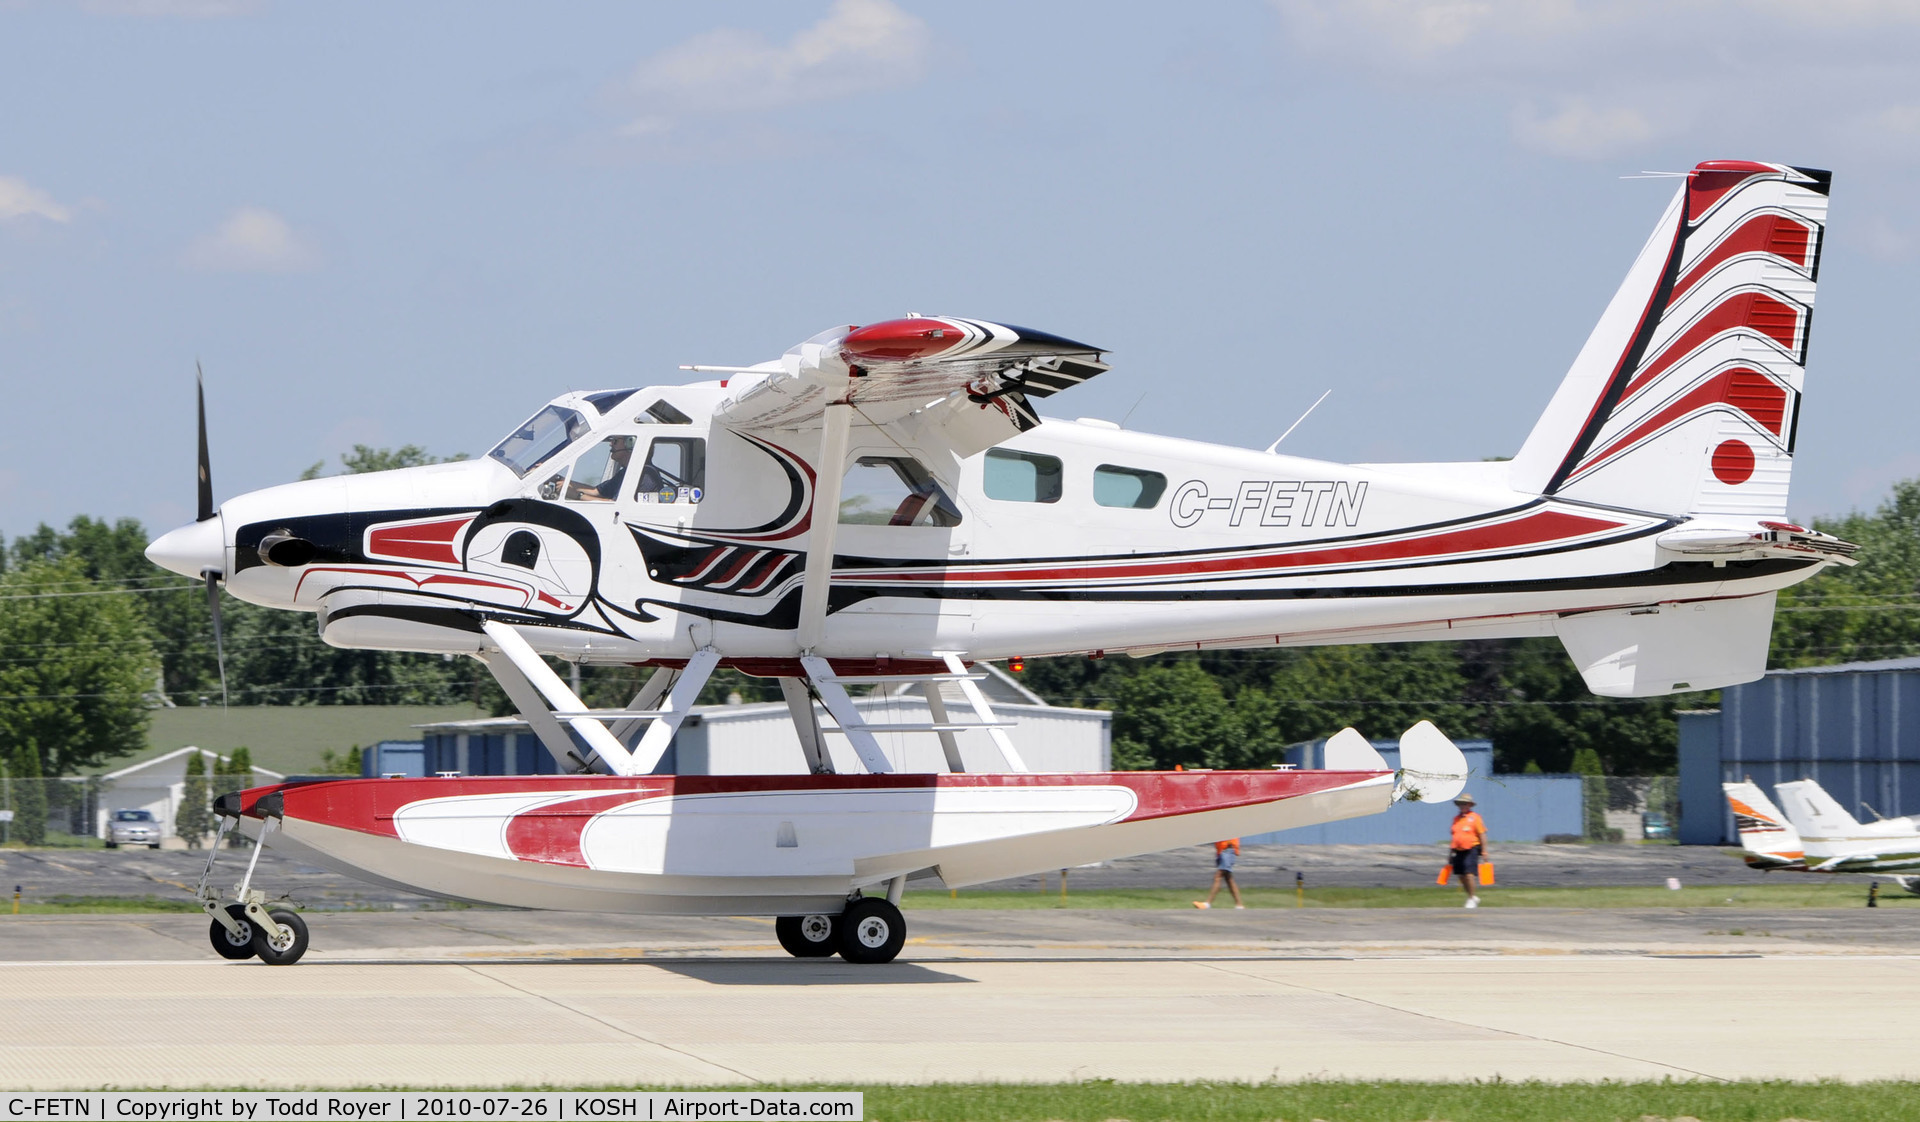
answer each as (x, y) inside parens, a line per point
(894, 491)
(544, 434)
(676, 471)
(599, 471)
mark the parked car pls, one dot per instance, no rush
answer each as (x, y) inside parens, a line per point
(1655, 826)
(132, 827)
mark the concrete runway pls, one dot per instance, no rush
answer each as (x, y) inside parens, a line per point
(483, 998)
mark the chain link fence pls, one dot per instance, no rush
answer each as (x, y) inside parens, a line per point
(1630, 808)
(78, 811)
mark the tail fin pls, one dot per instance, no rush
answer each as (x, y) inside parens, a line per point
(1686, 396)
(1764, 833)
(1813, 812)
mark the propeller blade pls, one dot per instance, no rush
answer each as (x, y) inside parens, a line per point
(206, 472)
(219, 643)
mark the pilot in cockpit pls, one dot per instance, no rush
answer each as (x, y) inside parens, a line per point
(597, 477)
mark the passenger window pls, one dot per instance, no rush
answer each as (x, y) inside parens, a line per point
(676, 471)
(1022, 477)
(1127, 487)
(894, 491)
(597, 474)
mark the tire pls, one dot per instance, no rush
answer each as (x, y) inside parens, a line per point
(871, 931)
(223, 944)
(113, 845)
(808, 936)
(155, 845)
(290, 921)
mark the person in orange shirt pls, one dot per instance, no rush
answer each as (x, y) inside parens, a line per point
(1224, 855)
(1469, 845)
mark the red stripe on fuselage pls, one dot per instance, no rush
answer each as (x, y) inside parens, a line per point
(1543, 526)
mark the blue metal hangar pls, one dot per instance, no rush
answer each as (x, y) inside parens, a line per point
(1853, 728)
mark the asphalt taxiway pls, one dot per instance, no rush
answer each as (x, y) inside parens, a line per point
(486, 998)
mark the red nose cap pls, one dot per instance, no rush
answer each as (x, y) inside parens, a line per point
(902, 340)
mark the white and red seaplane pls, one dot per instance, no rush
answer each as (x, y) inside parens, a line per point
(881, 504)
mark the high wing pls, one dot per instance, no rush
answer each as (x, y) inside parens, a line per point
(971, 380)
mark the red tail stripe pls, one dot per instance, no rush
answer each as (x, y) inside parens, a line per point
(1749, 391)
(1786, 238)
(1753, 310)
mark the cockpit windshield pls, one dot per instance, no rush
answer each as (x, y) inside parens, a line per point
(535, 442)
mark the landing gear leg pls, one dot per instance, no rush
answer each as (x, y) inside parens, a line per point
(808, 936)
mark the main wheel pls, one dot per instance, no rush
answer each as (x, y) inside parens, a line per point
(807, 936)
(871, 931)
(289, 922)
(225, 943)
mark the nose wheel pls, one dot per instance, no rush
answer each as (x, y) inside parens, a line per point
(243, 928)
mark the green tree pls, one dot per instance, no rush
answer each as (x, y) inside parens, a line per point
(74, 669)
(1868, 611)
(1380, 690)
(364, 459)
(194, 820)
(29, 795)
(340, 763)
(1593, 783)
(1173, 714)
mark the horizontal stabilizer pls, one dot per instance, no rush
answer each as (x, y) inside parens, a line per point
(1432, 768)
(1670, 648)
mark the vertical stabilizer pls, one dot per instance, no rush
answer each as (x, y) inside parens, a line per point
(1813, 812)
(1770, 842)
(1685, 398)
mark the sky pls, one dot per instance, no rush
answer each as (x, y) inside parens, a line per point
(414, 223)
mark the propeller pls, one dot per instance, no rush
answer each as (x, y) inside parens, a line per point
(211, 575)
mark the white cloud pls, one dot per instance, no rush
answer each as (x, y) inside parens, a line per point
(252, 240)
(860, 46)
(1599, 78)
(1581, 129)
(20, 199)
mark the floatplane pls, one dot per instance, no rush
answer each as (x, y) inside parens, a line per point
(882, 505)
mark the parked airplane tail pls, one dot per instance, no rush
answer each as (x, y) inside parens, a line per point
(1770, 842)
(1686, 396)
(1814, 813)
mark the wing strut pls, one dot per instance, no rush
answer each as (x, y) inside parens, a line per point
(555, 711)
(836, 425)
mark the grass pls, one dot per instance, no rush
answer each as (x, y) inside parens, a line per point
(1805, 892)
(1393, 1102)
(72, 905)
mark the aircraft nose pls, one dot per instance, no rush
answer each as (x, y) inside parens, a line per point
(191, 549)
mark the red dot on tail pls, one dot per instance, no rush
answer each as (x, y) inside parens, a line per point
(1733, 462)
